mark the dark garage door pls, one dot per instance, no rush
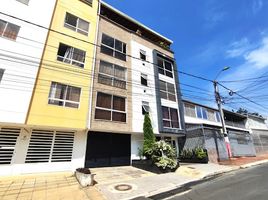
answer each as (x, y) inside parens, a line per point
(107, 149)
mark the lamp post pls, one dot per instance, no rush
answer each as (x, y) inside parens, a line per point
(219, 102)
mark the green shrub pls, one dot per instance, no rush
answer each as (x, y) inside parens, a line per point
(149, 137)
(197, 152)
(164, 155)
(200, 153)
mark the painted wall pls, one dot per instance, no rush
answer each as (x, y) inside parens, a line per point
(42, 113)
(256, 123)
(19, 76)
(143, 93)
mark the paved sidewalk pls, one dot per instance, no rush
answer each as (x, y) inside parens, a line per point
(244, 160)
(155, 184)
(47, 186)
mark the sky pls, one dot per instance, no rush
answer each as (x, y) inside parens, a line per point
(209, 35)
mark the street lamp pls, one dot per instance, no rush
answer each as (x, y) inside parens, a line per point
(219, 102)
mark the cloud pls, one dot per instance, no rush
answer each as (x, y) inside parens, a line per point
(259, 57)
(238, 48)
(257, 6)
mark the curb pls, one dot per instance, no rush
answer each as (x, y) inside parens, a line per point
(253, 164)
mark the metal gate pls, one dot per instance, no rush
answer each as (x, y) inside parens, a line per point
(8, 140)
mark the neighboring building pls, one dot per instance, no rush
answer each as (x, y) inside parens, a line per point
(259, 132)
(239, 135)
(204, 129)
(21, 49)
(128, 83)
(54, 135)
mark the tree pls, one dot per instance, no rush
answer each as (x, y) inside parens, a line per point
(149, 137)
(245, 112)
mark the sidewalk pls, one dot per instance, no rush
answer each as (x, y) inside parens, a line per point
(244, 160)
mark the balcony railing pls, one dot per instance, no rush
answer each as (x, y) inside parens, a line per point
(235, 124)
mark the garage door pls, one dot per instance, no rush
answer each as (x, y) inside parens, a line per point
(107, 149)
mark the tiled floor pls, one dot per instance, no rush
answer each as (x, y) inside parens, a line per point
(58, 186)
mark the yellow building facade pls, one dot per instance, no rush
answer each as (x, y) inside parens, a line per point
(61, 96)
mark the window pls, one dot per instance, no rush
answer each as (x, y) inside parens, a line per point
(218, 117)
(110, 74)
(1, 74)
(76, 24)
(145, 107)
(9, 30)
(71, 55)
(144, 80)
(26, 2)
(201, 112)
(143, 55)
(110, 107)
(211, 115)
(170, 117)
(64, 95)
(113, 47)
(164, 67)
(167, 91)
(189, 110)
(89, 2)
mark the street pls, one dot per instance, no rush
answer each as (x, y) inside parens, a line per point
(246, 184)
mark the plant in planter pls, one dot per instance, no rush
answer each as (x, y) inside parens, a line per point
(196, 155)
(84, 177)
(164, 156)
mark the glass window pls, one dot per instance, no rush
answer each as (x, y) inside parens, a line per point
(113, 47)
(9, 30)
(199, 112)
(143, 55)
(71, 55)
(204, 113)
(26, 2)
(110, 107)
(189, 110)
(164, 67)
(89, 2)
(167, 91)
(76, 24)
(64, 95)
(170, 117)
(1, 74)
(218, 117)
(145, 107)
(110, 74)
(144, 80)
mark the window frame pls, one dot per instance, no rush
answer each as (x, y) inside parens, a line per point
(145, 107)
(164, 67)
(24, 2)
(114, 48)
(71, 60)
(2, 71)
(145, 78)
(170, 119)
(143, 53)
(64, 101)
(167, 92)
(113, 76)
(202, 109)
(185, 105)
(88, 2)
(111, 109)
(77, 29)
(5, 28)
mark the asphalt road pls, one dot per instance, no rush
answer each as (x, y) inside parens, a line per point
(245, 184)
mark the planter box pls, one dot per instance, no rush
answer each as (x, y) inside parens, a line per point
(148, 165)
(195, 160)
(84, 179)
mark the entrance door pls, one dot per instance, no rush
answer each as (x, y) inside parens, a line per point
(108, 149)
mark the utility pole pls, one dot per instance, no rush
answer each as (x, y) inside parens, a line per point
(219, 102)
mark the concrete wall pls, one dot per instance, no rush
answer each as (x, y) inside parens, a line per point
(19, 76)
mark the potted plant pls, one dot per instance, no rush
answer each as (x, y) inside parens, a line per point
(84, 177)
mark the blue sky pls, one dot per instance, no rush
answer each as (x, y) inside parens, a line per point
(209, 35)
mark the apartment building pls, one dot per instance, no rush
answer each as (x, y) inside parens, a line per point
(135, 73)
(21, 49)
(53, 137)
(204, 129)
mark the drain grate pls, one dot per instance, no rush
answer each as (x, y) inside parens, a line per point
(123, 187)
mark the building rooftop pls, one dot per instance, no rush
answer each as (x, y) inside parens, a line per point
(133, 25)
